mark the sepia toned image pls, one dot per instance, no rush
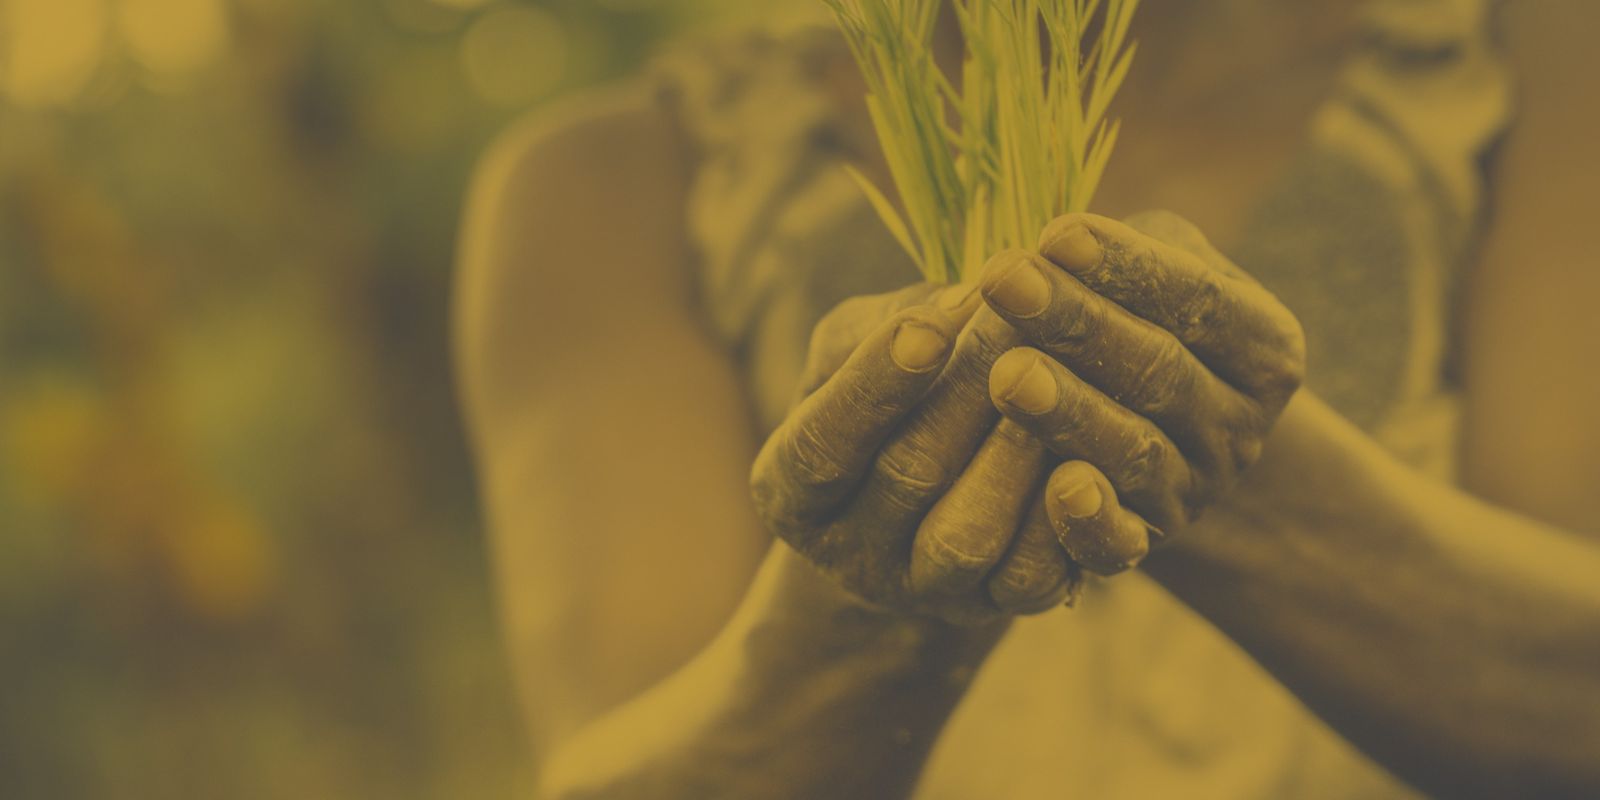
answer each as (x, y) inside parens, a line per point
(936, 399)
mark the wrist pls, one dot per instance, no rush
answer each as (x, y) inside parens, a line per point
(1318, 478)
(829, 695)
(792, 606)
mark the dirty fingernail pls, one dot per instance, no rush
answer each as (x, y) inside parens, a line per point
(1080, 499)
(1035, 391)
(1020, 290)
(917, 347)
(1076, 250)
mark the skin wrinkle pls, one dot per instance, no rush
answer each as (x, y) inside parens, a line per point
(1133, 453)
(1129, 272)
(1002, 472)
(1035, 569)
(871, 541)
(1212, 320)
(1167, 389)
(1369, 587)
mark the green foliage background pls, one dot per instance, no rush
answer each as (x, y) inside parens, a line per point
(240, 554)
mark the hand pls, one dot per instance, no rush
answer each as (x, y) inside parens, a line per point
(896, 476)
(1153, 358)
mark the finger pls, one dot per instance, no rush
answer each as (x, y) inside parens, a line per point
(818, 455)
(1132, 361)
(1035, 575)
(969, 528)
(1077, 422)
(940, 436)
(869, 542)
(1235, 327)
(1090, 522)
(842, 329)
(868, 546)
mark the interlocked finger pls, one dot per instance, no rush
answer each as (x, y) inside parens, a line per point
(1078, 422)
(972, 525)
(1035, 575)
(1135, 363)
(1236, 328)
(820, 453)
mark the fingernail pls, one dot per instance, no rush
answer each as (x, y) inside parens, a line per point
(1020, 290)
(1082, 500)
(1075, 250)
(917, 347)
(954, 298)
(1035, 392)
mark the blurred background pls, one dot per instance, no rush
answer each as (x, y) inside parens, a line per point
(239, 550)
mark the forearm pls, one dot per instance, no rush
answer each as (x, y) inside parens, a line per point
(1455, 643)
(804, 694)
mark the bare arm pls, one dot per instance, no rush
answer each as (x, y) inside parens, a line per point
(611, 436)
(615, 453)
(1454, 641)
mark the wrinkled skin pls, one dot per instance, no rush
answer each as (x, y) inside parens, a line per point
(1137, 372)
(1152, 357)
(895, 474)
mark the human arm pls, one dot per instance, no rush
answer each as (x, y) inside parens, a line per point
(1452, 639)
(614, 448)
(575, 434)
(1454, 642)
(1455, 635)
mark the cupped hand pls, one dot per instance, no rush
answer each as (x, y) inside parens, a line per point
(1151, 357)
(896, 476)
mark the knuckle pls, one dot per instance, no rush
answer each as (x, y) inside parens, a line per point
(1283, 365)
(1205, 301)
(987, 338)
(1161, 380)
(1156, 480)
(909, 476)
(1146, 461)
(812, 460)
(1024, 587)
(859, 398)
(1281, 376)
(1073, 330)
(960, 538)
(951, 548)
